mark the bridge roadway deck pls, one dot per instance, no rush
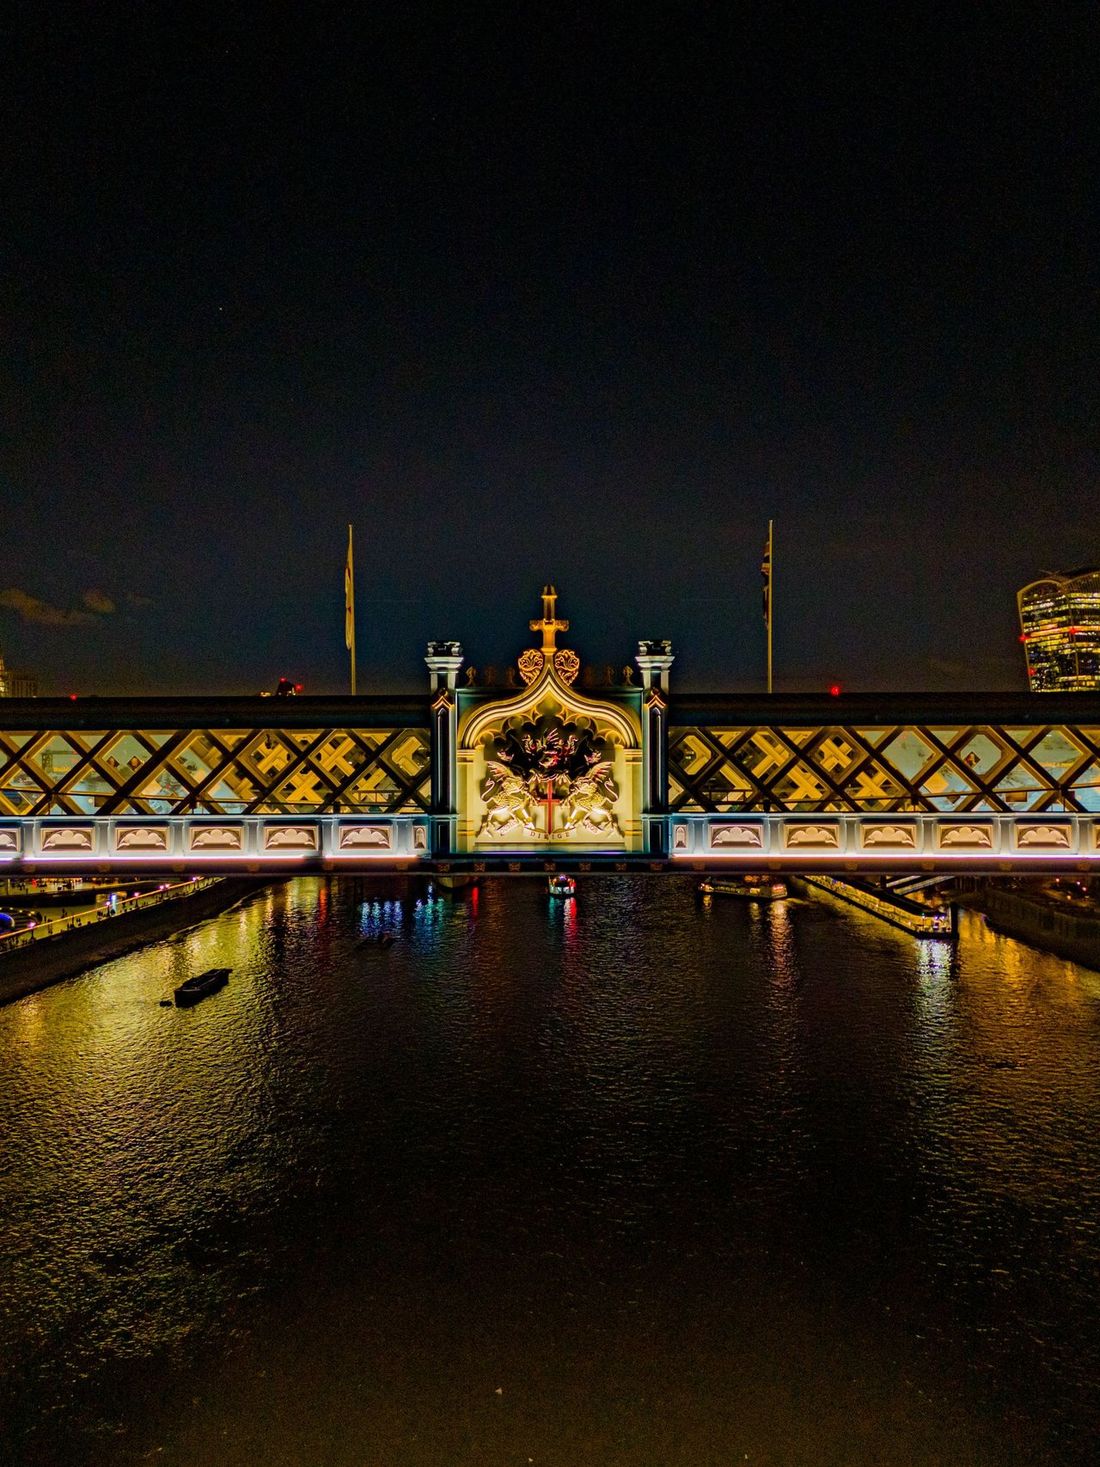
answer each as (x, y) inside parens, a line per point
(837, 842)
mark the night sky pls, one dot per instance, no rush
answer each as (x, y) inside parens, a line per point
(572, 292)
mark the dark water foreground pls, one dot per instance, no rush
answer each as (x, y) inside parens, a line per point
(628, 1181)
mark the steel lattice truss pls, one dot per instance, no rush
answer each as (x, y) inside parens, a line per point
(252, 771)
(914, 767)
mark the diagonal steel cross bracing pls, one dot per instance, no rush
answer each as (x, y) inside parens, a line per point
(58, 771)
(995, 780)
(844, 767)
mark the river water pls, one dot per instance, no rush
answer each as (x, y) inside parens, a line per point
(629, 1180)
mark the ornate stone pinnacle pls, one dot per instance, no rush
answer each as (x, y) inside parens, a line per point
(549, 624)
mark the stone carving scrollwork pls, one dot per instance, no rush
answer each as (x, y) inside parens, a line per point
(566, 664)
(530, 664)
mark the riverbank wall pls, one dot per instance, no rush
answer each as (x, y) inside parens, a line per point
(50, 960)
(1050, 926)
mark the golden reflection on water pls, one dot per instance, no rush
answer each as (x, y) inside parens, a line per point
(936, 963)
(695, 1179)
(29, 1022)
(784, 965)
(1001, 1047)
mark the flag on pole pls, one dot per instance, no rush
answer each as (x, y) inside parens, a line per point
(349, 598)
(349, 610)
(768, 573)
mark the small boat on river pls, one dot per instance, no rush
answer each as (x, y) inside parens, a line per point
(756, 888)
(200, 985)
(379, 940)
(561, 886)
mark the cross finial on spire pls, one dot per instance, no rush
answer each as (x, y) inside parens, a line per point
(549, 624)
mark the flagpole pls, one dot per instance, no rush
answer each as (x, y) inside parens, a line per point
(771, 601)
(349, 609)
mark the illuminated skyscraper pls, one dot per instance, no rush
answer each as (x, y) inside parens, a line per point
(22, 684)
(1060, 630)
(15, 684)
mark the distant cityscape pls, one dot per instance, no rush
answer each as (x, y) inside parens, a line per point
(1059, 631)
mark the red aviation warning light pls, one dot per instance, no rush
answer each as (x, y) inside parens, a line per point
(834, 690)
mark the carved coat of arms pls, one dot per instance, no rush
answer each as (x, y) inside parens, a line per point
(550, 766)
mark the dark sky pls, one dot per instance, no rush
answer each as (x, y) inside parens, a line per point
(582, 292)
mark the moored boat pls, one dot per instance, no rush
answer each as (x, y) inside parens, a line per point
(200, 985)
(756, 888)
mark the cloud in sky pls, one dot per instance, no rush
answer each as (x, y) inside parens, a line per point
(40, 613)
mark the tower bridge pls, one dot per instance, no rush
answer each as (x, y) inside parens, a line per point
(540, 774)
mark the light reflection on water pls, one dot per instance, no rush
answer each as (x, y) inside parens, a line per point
(684, 1180)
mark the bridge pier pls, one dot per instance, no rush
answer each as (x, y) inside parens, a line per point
(444, 659)
(654, 660)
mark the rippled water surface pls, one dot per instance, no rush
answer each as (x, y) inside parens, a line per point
(628, 1180)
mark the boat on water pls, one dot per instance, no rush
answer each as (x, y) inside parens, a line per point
(200, 985)
(561, 886)
(756, 888)
(379, 940)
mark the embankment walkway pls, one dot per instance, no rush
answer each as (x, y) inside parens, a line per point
(58, 949)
